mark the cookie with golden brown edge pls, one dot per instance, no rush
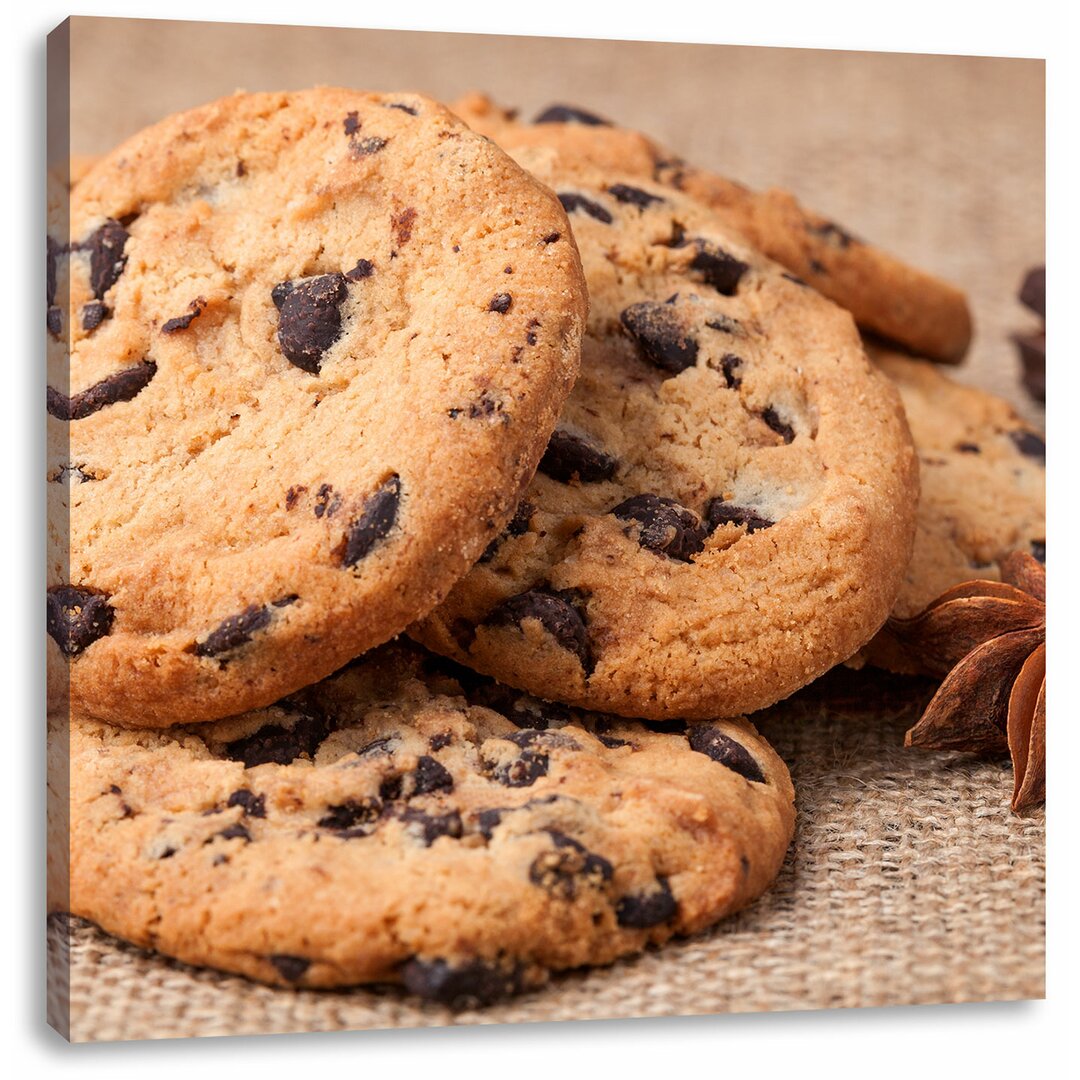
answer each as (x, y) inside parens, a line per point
(306, 351)
(886, 295)
(404, 821)
(983, 487)
(727, 504)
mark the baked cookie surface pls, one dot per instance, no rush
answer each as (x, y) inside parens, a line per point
(726, 507)
(885, 295)
(305, 351)
(983, 486)
(404, 821)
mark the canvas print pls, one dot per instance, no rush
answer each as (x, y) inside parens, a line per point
(538, 529)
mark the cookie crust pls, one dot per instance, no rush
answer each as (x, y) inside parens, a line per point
(727, 505)
(404, 822)
(886, 295)
(311, 348)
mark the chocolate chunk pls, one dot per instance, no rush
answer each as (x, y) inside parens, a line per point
(290, 968)
(666, 527)
(349, 815)
(555, 614)
(326, 501)
(1033, 290)
(551, 238)
(351, 123)
(500, 302)
(235, 832)
(54, 321)
(639, 911)
(532, 737)
(253, 805)
(440, 740)
(182, 322)
(729, 365)
(569, 114)
(718, 512)
(431, 826)
(430, 776)
(722, 748)
(107, 257)
(120, 386)
(403, 107)
(612, 743)
(661, 336)
(1029, 444)
(574, 457)
(523, 771)
(968, 448)
(75, 617)
(362, 269)
(310, 319)
(93, 315)
(374, 524)
(518, 526)
(717, 268)
(1038, 550)
(633, 195)
(468, 985)
(278, 745)
(234, 631)
(488, 820)
(572, 202)
(559, 872)
(772, 420)
(280, 292)
(832, 234)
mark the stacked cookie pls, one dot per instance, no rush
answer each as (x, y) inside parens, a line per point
(328, 368)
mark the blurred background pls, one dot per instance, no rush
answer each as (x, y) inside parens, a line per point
(939, 159)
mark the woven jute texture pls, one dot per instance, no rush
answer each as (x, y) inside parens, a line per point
(909, 880)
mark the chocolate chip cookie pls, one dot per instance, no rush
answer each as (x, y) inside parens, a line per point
(983, 481)
(408, 822)
(727, 504)
(306, 351)
(886, 295)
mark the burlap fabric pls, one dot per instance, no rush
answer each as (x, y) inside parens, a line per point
(909, 881)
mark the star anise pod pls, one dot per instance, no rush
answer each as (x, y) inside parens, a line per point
(987, 641)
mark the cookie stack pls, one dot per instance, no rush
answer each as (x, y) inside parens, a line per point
(428, 504)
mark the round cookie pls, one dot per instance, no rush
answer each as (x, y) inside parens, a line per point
(317, 344)
(983, 487)
(407, 822)
(727, 505)
(886, 295)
